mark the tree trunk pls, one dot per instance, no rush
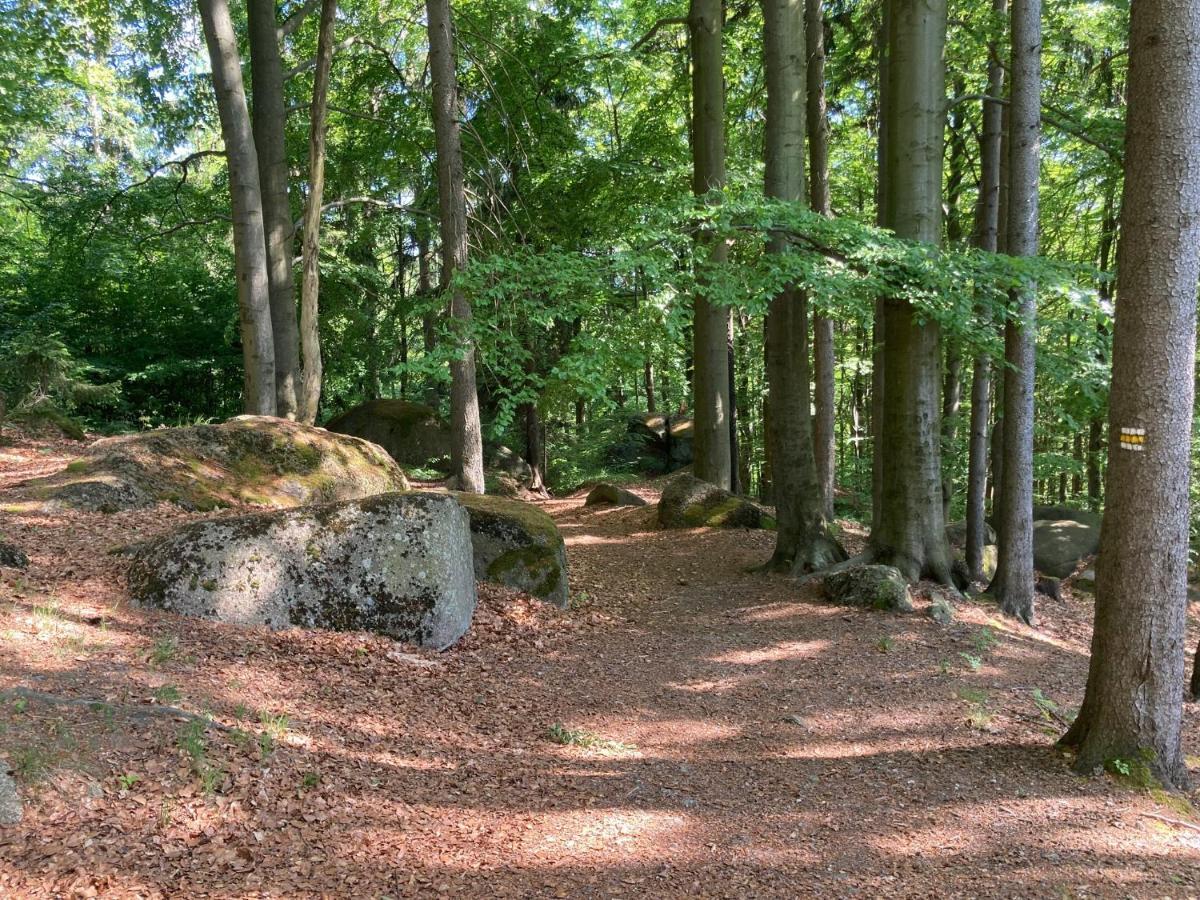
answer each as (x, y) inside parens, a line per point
(535, 446)
(802, 541)
(911, 533)
(1132, 707)
(310, 283)
(881, 219)
(1013, 584)
(249, 241)
(711, 416)
(466, 445)
(269, 117)
(818, 158)
(984, 236)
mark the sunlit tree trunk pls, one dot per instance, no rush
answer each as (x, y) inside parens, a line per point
(710, 330)
(269, 117)
(818, 158)
(310, 284)
(911, 532)
(802, 542)
(249, 241)
(984, 236)
(1013, 584)
(466, 447)
(1132, 708)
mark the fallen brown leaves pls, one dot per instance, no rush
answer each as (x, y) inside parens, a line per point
(686, 729)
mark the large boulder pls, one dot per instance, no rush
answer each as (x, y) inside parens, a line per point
(688, 502)
(956, 536)
(396, 564)
(11, 809)
(610, 495)
(1060, 545)
(1060, 512)
(517, 545)
(657, 443)
(257, 460)
(875, 587)
(412, 433)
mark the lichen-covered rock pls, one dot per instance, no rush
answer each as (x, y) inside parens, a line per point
(12, 556)
(412, 433)
(396, 564)
(11, 810)
(517, 545)
(656, 443)
(875, 587)
(688, 502)
(941, 610)
(610, 495)
(256, 460)
(510, 462)
(1060, 545)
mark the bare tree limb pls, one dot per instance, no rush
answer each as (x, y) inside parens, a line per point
(296, 19)
(655, 29)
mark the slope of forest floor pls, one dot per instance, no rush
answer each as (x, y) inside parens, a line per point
(686, 728)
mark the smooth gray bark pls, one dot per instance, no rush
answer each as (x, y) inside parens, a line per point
(269, 118)
(1013, 584)
(1132, 708)
(466, 446)
(710, 331)
(249, 241)
(818, 158)
(310, 286)
(911, 531)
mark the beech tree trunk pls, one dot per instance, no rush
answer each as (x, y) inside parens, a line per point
(1013, 584)
(710, 333)
(269, 117)
(249, 241)
(911, 533)
(984, 236)
(466, 446)
(802, 541)
(881, 219)
(310, 283)
(1132, 707)
(818, 159)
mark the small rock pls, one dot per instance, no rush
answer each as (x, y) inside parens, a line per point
(611, 495)
(11, 810)
(875, 587)
(12, 557)
(1050, 587)
(941, 610)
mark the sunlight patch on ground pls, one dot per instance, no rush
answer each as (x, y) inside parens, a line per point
(776, 653)
(624, 835)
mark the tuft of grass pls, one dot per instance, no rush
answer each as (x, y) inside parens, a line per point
(985, 640)
(30, 763)
(47, 616)
(274, 724)
(191, 741)
(979, 715)
(310, 780)
(164, 650)
(885, 644)
(589, 740)
(167, 694)
(973, 662)
(128, 780)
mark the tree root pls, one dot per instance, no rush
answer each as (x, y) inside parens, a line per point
(129, 711)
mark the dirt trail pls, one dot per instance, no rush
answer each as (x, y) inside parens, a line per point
(728, 735)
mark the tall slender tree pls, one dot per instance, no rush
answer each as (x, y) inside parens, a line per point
(910, 533)
(819, 196)
(310, 333)
(1132, 707)
(249, 242)
(269, 118)
(1013, 584)
(710, 321)
(984, 236)
(466, 447)
(802, 543)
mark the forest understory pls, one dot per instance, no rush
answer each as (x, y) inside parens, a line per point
(686, 728)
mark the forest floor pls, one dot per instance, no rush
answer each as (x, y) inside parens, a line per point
(686, 728)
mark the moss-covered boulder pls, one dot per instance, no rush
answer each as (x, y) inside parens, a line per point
(12, 556)
(396, 564)
(517, 545)
(610, 495)
(255, 460)
(412, 433)
(688, 502)
(875, 587)
(655, 443)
